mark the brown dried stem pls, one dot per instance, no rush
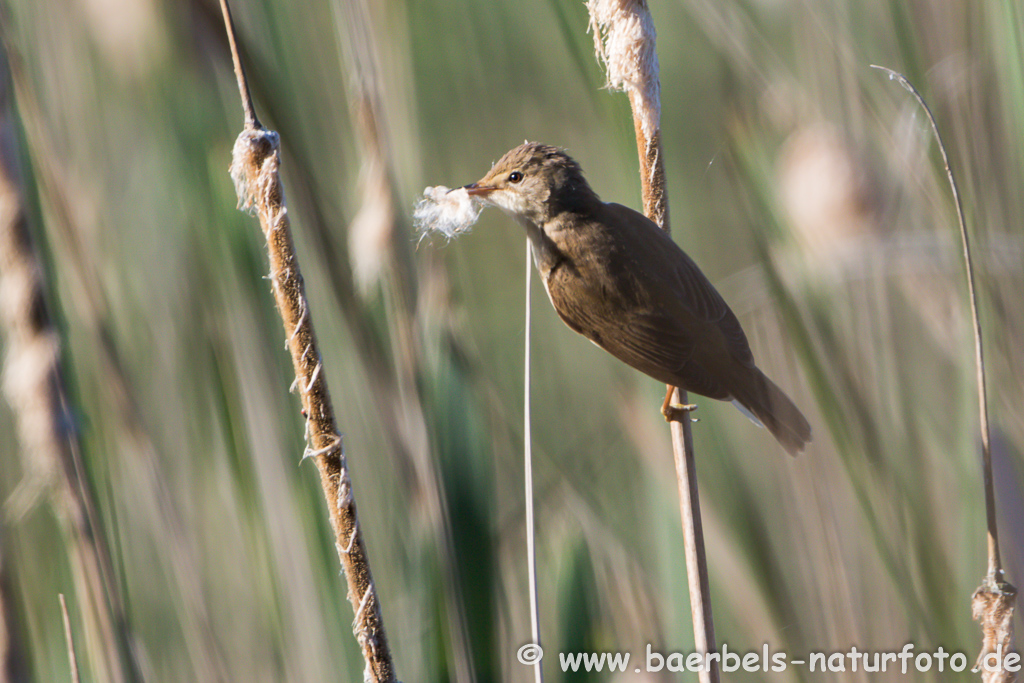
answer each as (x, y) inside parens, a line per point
(993, 601)
(625, 41)
(255, 169)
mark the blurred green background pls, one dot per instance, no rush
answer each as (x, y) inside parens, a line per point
(806, 185)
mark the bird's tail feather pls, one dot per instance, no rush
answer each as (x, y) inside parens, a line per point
(773, 409)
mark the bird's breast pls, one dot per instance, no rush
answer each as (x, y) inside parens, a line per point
(581, 301)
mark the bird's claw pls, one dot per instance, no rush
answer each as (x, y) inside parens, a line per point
(675, 412)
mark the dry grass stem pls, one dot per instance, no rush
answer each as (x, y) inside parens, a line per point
(69, 638)
(993, 602)
(255, 168)
(624, 40)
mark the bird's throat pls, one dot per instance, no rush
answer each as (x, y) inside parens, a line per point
(546, 254)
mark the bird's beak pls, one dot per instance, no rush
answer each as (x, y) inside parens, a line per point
(478, 190)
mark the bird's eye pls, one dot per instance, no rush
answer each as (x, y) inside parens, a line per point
(515, 177)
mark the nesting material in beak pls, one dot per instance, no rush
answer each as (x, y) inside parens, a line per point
(449, 212)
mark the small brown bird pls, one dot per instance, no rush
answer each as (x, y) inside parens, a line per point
(619, 280)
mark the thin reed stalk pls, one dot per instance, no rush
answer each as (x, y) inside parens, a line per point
(69, 639)
(624, 39)
(255, 169)
(993, 602)
(531, 541)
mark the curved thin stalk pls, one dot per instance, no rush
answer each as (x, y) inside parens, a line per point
(993, 601)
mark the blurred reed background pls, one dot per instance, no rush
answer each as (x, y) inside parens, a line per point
(805, 184)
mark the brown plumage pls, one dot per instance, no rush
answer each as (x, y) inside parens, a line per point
(619, 280)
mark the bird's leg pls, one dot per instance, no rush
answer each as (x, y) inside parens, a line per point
(675, 412)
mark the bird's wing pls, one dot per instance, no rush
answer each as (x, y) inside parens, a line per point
(703, 300)
(694, 297)
(655, 340)
(658, 343)
(660, 346)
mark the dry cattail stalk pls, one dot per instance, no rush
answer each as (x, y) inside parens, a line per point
(624, 39)
(255, 169)
(823, 190)
(66, 202)
(993, 606)
(374, 235)
(34, 386)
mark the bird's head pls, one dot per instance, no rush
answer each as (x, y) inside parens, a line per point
(534, 182)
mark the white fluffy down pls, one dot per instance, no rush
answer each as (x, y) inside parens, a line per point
(449, 212)
(624, 40)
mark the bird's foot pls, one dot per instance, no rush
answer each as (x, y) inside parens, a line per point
(675, 412)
